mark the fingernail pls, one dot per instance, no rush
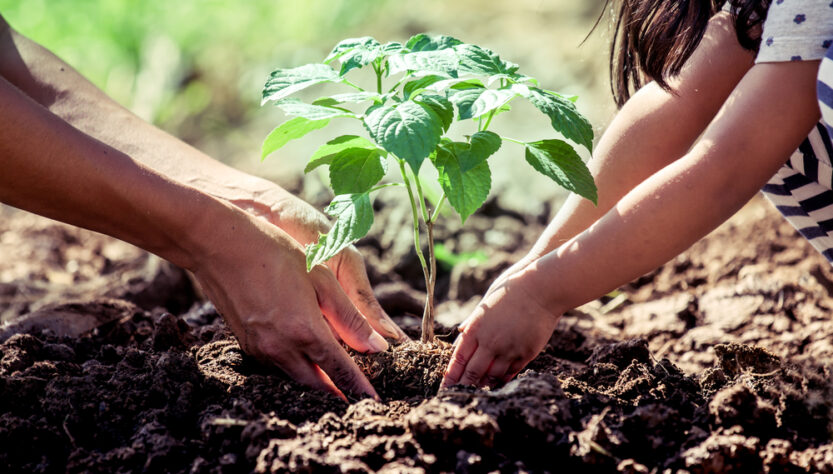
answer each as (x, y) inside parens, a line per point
(377, 342)
(389, 327)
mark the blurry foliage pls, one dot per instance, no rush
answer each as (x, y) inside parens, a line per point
(196, 67)
(170, 60)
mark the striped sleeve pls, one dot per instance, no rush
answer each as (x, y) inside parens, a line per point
(825, 90)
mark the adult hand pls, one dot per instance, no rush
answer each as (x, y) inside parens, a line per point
(303, 223)
(256, 276)
(254, 272)
(507, 330)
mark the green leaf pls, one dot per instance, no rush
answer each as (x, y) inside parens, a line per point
(474, 102)
(416, 86)
(424, 42)
(437, 83)
(360, 56)
(564, 116)
(558, 160)
(514, 78)
(459, 84)
(313, 112)
(393, 48)
(483, 144)
(354, 216)
(284, 82)
(440, 62)
(410, 130)
(356, 170)
(349, 44)
(439, 104)
(325, 153)
(352, 97)
(289, 130)
(466, 190)
(477, 60)
(470, 154)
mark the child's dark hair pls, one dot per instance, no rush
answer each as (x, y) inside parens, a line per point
(654, 38)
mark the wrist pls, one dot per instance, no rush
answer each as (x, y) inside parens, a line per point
(541, 288)
(182, 225)
(264, 199)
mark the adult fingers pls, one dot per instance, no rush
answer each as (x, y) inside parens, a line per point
(341, 369)
(351, 273)
(477, 366)
(344, 317)
(494, 376)
(333, 331)
(464, 347)
(302, 370)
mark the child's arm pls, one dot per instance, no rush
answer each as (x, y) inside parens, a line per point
(746, 143)
(654, 128)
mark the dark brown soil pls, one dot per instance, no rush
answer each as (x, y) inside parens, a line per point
(720, 361)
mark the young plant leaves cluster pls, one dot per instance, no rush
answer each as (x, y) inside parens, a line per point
(421, 88)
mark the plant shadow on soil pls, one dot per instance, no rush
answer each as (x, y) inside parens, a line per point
(749, 388)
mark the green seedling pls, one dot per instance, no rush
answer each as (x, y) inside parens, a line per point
(421, 88)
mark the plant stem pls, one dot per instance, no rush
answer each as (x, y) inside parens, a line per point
(378, 79)
(428, 313)
(489, 119)
(436, 213)
(382, 186)
(431, 276)
(512, 140)
(352, 85)
(398, 83)
(421, 196)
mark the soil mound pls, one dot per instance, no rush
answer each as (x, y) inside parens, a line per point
(717, 362)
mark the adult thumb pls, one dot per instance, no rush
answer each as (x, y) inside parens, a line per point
(348, 322)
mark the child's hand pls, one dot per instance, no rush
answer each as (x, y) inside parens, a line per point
(508, 329)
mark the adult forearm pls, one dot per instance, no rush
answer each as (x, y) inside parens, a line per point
(63, 91)
(53, 169)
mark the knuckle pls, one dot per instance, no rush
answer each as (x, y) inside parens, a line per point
(366, 297)
(355, 322)
(344, 377)
(304, 337)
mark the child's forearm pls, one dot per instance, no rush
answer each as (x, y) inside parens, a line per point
(653, 129)
(741, 150)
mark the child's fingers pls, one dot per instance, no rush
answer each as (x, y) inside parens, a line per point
(513, 369)
(477, 366)
(464, 347)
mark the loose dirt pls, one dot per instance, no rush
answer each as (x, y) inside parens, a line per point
(720, 361)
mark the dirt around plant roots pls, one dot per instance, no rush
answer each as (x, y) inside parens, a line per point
(720, 361)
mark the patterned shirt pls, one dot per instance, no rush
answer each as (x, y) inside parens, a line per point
(796, 30)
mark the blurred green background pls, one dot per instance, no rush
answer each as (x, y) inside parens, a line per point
(196, 67)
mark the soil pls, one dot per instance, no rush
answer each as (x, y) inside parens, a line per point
(720, 361)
